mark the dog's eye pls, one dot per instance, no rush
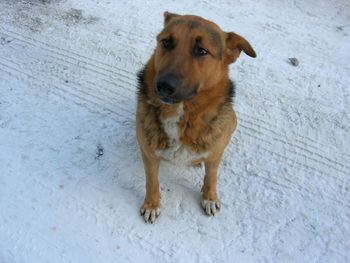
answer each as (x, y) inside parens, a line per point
(200, 52)
(167, 43)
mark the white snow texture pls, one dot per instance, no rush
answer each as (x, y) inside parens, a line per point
(71, 176)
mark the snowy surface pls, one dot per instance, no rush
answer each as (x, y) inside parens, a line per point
(71, 177)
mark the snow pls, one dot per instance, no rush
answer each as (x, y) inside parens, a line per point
(72, 182)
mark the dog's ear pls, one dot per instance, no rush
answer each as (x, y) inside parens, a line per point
(168, 16)
(234, 45)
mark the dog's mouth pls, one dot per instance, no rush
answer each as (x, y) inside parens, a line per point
(178, 97)
(169, 100)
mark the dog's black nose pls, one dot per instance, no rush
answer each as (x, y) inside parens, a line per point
(167, 85)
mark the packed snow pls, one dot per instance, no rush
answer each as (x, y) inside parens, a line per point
(71, 176)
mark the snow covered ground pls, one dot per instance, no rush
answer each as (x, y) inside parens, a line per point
(71, 177)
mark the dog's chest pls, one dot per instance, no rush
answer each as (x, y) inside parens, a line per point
(177, 153)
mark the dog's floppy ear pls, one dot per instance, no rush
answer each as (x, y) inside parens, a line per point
(234, 45)
(168, 16)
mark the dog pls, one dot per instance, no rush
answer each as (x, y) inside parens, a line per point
(184, 103)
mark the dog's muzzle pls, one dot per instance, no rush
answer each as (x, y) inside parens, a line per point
(168, 90)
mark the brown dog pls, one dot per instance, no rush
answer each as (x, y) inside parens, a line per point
(184, 110)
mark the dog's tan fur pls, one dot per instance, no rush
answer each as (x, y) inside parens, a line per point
(208, 119)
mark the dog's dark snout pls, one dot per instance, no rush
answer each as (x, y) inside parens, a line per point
(167, 85)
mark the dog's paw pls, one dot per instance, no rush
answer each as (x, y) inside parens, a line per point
(149, 215)
(211, 207)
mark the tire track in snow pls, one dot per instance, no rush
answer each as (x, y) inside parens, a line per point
(97, 73)
(92, 90)
(126, 79)
(293, 163)
(74, 57)
(262, 124)
(252, 133)
(63, 92)
(92, 86)
(290, 185)
(287, 183)
(308, 153)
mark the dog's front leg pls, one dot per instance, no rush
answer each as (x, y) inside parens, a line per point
(210, 200)
(150, 209)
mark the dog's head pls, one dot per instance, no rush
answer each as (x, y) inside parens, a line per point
(193, 54)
